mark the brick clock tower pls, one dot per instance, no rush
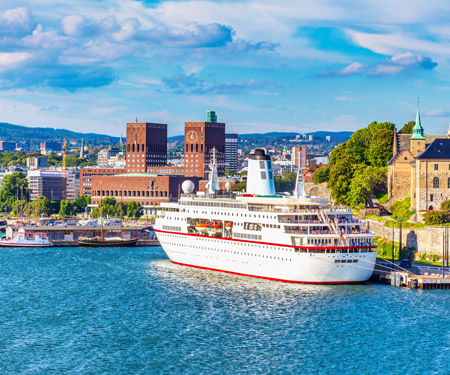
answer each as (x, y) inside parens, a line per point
(146, 146)
(200, 138)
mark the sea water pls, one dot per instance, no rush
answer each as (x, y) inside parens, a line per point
(131, 311)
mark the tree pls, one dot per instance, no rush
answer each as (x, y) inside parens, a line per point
(340, 178)
(229, 172)
(110, 208)
(380, 149)
(364, 182)
(321, 175)
(133, 209)
(286, 183)
(435, 217)
(67, 208)
(82, 202)
(338, 153)
(19, 208)
(407, 128)
(240, 186)
(13, 186)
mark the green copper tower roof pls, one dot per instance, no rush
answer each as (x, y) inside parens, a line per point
(417, 130)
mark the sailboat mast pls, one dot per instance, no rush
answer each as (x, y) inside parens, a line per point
(121, 216)
(101, 211)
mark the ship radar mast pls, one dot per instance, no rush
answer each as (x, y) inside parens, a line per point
(213, 184)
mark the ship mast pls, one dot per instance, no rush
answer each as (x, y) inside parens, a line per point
(121, 204)
(213, 184)
(101, 212)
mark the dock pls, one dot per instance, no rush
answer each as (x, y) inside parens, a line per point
(416, 277)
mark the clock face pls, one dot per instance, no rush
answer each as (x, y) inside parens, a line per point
(191, 136)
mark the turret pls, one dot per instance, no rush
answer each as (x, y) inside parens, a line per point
(395, 145)
(260, 175)
(417, 139)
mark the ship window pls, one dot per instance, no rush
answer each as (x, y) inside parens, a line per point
(262, 165)
(263, 176)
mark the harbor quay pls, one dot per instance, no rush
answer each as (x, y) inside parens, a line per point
(68, 235)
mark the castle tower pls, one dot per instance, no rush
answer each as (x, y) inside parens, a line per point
(417, 139)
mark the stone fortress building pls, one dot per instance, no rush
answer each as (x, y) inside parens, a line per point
(420, 169)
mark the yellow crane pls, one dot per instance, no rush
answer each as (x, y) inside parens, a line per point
(64, 170)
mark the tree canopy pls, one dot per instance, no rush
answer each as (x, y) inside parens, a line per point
(321, 174)
(359, 165)
(407, 128)
(14, 187)
(133, 209)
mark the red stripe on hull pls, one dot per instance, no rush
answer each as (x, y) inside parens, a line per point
(271, 278)
(265, 243)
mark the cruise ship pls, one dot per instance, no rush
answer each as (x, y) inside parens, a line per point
(290, 238)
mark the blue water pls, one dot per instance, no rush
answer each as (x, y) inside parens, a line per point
(130, 311)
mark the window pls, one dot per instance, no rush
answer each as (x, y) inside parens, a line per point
(448, 183)
(263, 175)
(262, 165)
(431, 198)
(436, 182)
(436, 166)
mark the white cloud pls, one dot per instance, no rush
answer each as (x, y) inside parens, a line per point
(437, 113)
(13, 59)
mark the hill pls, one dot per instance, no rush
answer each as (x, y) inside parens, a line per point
(33, 136)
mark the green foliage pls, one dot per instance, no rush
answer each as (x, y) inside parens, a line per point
(67, 208)
(321, 175)
(243, 173)
(359, 164)
(19, 208)
(382, 196)
(14, 186)
(338, 153)
(445, 205)
(133, 209)
(229, 172)
(340, 179)
(364, 182)
(435, 217)
(384, 248)
(401, 209)
(286, 183)
(240, 186)
(407, 128)
(82, 202)
(380, 149)
(110, 208)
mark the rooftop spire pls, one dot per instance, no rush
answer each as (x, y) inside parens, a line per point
(418, 130)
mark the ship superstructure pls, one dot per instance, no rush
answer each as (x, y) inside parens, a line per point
(287, 238)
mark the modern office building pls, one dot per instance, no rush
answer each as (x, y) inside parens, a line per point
(298, 156)
(37, 162)
(231, 155)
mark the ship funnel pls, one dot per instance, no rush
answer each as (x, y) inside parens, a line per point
(260, 175)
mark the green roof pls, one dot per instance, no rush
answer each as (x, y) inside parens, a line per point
(417, 132)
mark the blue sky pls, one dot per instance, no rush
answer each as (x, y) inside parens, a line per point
(263, 65)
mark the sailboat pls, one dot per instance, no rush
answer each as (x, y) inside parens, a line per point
(103, 241)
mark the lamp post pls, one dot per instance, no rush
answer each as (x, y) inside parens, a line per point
(400, 244)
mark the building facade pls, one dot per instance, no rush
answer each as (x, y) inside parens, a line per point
(419, 169)
(7, 146)
(231, 155)
(201, 140)
(37, 162)
(298, 156)
(87, 173)
(146, 146)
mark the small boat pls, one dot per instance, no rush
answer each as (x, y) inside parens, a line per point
(106, 242)
(26, 239)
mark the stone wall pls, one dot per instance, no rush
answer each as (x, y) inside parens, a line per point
(318, 190)
(428, 240)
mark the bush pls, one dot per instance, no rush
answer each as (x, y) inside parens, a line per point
(402, 209)
(435, 217)
(445, 205)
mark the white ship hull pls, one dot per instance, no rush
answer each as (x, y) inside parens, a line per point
(269, 261)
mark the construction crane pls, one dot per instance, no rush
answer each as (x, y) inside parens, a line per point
(64, 170)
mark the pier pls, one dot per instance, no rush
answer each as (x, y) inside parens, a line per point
(415, 277)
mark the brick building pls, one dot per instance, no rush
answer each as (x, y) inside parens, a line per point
(87, 173)
(200, 138)
(148, 189)
(146, 146)
(299, 153)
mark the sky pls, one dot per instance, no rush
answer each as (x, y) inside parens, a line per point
(262, 65)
